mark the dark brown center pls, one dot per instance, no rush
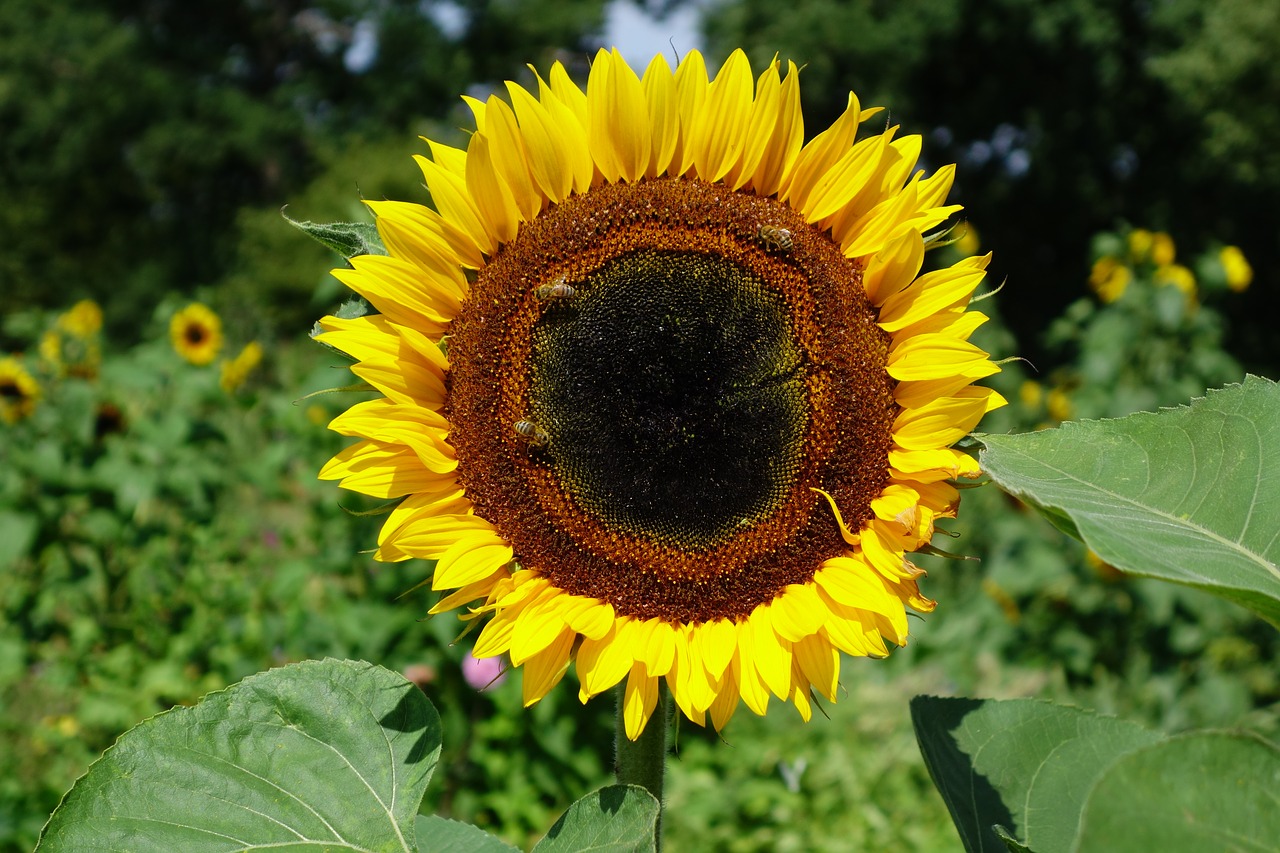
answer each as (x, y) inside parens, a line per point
(686, 364)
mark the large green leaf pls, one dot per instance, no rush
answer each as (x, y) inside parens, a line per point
(1190, 495)
(616, 819)
(1215, 791)
(317, 756)
(441, 835)
(1023, 764)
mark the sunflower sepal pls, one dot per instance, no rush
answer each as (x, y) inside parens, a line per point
(348, 239)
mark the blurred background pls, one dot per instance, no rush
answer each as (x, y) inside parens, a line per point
(162, 533)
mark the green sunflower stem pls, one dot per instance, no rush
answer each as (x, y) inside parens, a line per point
(643, 761)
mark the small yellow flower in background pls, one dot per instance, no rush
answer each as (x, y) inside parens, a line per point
(19, 391)
(1031, 394)
(236, 370)
(1178, 276)
(51, 351)
(196, 333)
(84, 319)
(1239, 273)
(1109, 278)
(1058, 405)
(318, 414)
(969, 240)
(1139, 245)
(1162, 249)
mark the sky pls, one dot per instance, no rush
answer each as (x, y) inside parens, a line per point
(638, 36)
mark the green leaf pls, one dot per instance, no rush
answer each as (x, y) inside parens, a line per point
(1021, 763)
(1190, 495)
(441, 835)
(1201, 791)
(322, 755)
(346, 238)
(616, 819)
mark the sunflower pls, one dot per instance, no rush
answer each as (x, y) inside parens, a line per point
(664, 393)
(196, 333)
(19, 391)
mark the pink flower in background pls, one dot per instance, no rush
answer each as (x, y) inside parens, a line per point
(483, 673)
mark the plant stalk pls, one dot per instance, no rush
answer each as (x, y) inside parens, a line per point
(643, 761)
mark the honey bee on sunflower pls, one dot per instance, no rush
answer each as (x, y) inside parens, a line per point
(751, 428)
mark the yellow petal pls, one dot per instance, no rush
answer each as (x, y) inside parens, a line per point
(715, 642)
(453, 202)
(744, 673)
(655, 646)
(821, 152)
(492, 196)
(576, 151)
(849, 176)
(797, 613)
(719, 129)
(589, 617)
(510, 156)
(726, 702)
(691, 87)
(428, 536)
(620, 134)
(761, 124)
(429, 227)
(851, 582)
(382, 471)
(599, 117)
(397, 289)
(931, 465)
(926, 296)
(544, 671)
(602, 663)
(772, 655)
(664, 114)
(639, 701)
(545, 143)
(537, 627)
(569, 93)
(783, 146)
(893, 267)
(468, 562)
(494, 639)
(820, 663)
(946, 420)
(933, 356)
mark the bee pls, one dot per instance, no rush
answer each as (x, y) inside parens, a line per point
(775, 239)
(532, 433)
(557, 289)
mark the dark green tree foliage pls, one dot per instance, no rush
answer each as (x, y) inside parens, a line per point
(1065, 118)
(135, 131)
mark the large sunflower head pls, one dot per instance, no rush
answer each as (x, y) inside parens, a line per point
(663, 390)
(196, 333)
(19, 391)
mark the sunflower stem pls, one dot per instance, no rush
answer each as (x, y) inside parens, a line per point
(643, 761)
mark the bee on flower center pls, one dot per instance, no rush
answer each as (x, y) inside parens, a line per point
(775, 239)
(557, 289)
(532, 433)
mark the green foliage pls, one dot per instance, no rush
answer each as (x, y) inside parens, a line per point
(162, 538)
(139, 143)
(1187, 495)
(617, 819)
(330, 753)
(327, 754)
(1070, 780)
